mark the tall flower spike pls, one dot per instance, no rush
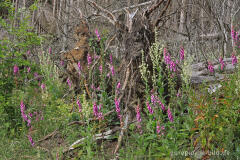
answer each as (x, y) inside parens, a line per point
(181, 53)
(22, 108)
(31, 140)
(98, 36)
(149, 108)
(79, 106)
(117, 105)
(170, 117)
(117, 91)
(110, 56)
(222, 63)
(118, 85)
(158, 129)
(89, 59)
(69, 83)
(138, 116)
(153, 99)
(162, 105)
(15, 69)
(95, 109)
(100, 69)
(79, 67)
(234, 59)
(112, 70)
(210, 67)
(28, 69)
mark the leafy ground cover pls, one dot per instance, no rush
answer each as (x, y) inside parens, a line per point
(41, 117)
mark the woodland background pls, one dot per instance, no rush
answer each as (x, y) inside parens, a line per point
(43, 117)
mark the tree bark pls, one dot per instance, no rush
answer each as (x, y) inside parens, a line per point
(183, 16)
(54, 7)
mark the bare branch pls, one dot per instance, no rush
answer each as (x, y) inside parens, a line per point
(162, 13)
(150, 10)
(103, 12)
(132, 7)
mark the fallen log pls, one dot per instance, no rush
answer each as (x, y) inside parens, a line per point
(201, 74)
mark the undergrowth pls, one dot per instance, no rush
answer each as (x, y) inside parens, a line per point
(41, 117)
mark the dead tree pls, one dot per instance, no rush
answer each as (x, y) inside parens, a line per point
(135, 33)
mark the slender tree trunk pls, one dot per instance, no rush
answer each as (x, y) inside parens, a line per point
(175, 19)
(16, 10)
(54, 7)
(183, 16)
(65, 28)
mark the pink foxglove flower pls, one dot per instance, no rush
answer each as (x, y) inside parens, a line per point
(118, 85)
(100, 114)
(97, 34)
(222, 63)
(79, 66)
(62, 63)
(43, 86)
(181, 53)
(173, 66)
(89, 59)
(95, 109)
(169, 62)
(138, 116)
(15, 70)
(112, 70)
(234, 59)
(117, 105)
(158, 129)
(30, 115)
(100, 69)
(167, 57)
(170, 117)
(29, 122)
(50, 50)
(118, 88)
(110, 56)
(79, 106)
(69, 83)
(22, 108)
(210, 67)
(162, 105)
(31, 140)
(149, 108)
(28, 69)
(153, 99)
(42, 117)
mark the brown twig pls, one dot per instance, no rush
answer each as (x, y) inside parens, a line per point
(48, 136)
(103, 12)
(85, 83)
(162, 13)
(134, 6)
(121, 134)
(109, 42)
(150, 10)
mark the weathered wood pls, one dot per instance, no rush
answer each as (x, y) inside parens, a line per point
(201, 74)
